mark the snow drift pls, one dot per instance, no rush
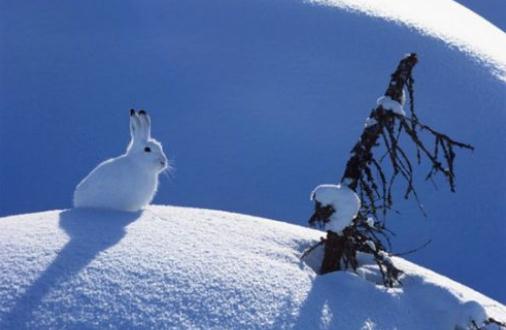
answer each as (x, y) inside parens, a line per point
(172, 267)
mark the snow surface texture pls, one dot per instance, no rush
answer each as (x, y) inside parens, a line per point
(345, 202)
(128, 182)
(443, 19)
(171, 267)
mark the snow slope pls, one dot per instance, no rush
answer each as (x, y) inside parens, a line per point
(173, 267)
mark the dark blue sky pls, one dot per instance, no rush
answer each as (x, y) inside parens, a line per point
(256, 102)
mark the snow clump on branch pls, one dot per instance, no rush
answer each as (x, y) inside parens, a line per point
(343, 202)
(389, 104)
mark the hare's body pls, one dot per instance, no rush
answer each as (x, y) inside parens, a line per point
(128, 182)
(112, 185)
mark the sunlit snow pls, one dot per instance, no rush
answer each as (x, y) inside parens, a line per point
(172, 267)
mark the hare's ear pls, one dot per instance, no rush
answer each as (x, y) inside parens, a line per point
(146, 124)
(135, 126)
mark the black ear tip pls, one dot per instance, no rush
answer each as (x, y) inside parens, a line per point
(142, 112)
(132, 112)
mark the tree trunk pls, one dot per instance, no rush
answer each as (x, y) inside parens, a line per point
(361, 153)
(361, 156)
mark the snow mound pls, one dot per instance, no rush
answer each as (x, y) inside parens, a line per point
(171, 267)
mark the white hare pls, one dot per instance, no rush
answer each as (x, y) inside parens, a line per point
(128, 182)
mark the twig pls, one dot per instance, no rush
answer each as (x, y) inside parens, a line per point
(311, 248)
(400, 254)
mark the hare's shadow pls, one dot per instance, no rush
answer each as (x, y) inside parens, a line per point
(90, 232)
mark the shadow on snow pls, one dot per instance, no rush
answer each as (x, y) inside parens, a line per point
(91, 232)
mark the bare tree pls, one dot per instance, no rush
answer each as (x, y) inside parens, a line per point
(372, 177)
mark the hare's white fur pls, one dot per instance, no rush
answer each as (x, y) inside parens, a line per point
(128, 182)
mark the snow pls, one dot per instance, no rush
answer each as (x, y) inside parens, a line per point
(388, 104)
(371, 245)
(370, 122)
(345, 202)
(173, 267)
(446, 20)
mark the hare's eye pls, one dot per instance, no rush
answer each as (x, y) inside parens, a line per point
(147, 149)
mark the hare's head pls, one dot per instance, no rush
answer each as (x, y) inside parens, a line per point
(143, 148)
